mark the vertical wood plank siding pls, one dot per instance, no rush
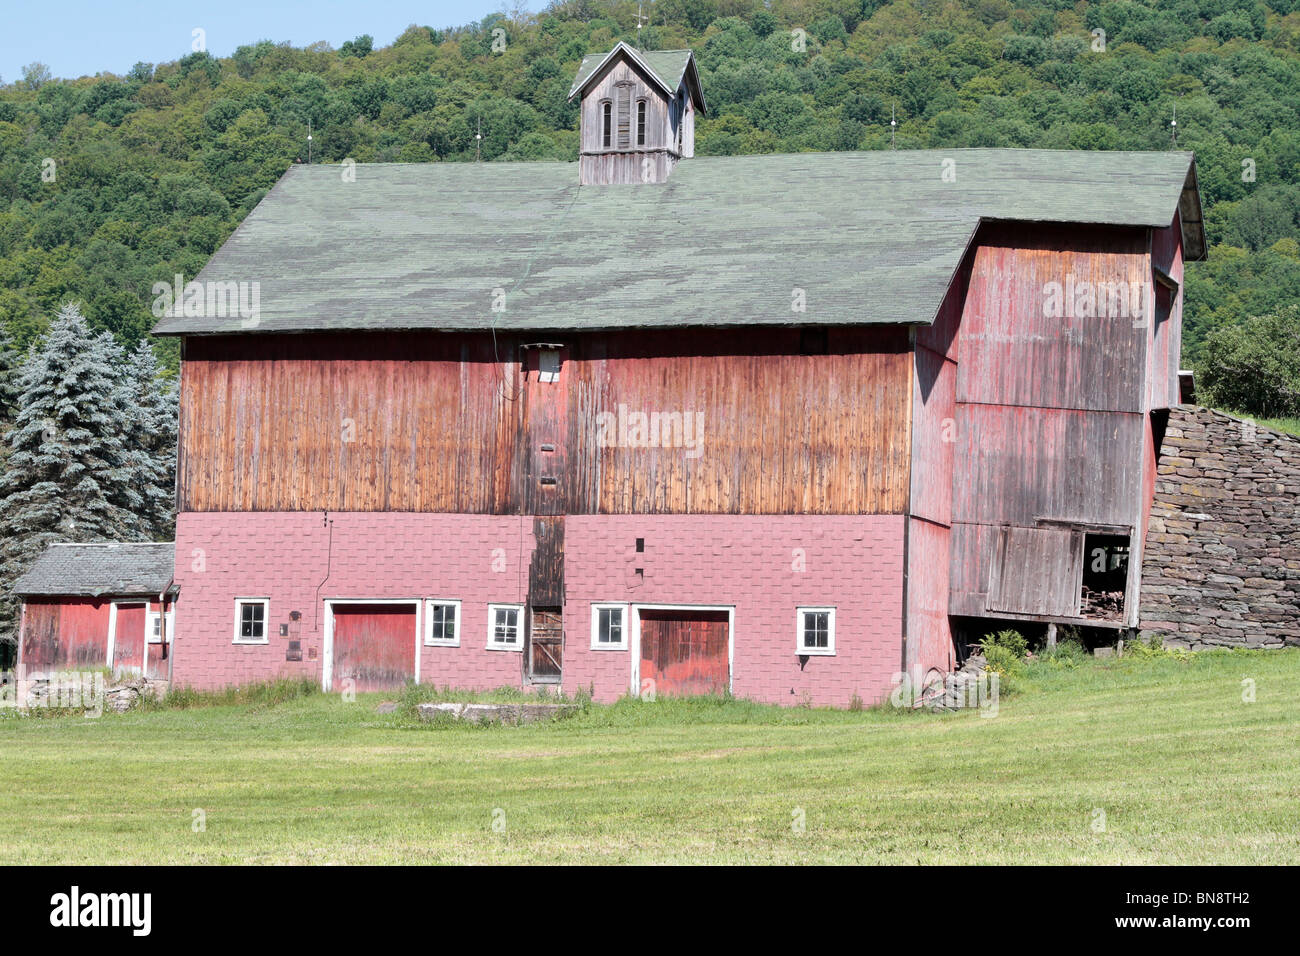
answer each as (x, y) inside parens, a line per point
(1014, 354)
(450, 423)
(1051, 412)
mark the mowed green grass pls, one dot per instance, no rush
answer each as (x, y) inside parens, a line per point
(1183, 769)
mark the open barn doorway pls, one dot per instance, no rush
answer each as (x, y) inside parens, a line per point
(1104, 585)
(370, 645)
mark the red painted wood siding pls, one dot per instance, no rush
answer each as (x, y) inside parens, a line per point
(374, 646)
(685, 652)
(129, 638)
(65, 634)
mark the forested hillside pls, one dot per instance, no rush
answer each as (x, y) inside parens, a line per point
(111, 183)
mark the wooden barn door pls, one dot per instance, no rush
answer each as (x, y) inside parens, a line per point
(546, 644)
(685, 652)
(373, 646)
(128, 639)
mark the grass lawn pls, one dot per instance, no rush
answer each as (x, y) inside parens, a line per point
(1289, 425)
(1184, 770)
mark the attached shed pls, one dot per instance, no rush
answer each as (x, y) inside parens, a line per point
(91, 606)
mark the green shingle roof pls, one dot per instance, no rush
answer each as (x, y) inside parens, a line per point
(91, 570)
(871, 237)
(668, 66)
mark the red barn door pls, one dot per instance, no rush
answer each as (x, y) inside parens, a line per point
(128, 639)
(374, 646)
(685, 652)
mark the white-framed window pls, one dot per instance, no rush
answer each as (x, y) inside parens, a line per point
(609, 627)
(153, 621)
(815, 630)
(505, 627)
(252, 620)
(442, 623)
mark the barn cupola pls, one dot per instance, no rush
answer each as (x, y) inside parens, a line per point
(638, 114)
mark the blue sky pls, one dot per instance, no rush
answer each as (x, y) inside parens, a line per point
(84, 37)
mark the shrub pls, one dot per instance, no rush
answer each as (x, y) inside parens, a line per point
(1004, 662)
(1011, 641)
(1254, 366)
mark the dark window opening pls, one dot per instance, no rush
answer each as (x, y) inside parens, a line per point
(505, 626)
(609, 625)
(640, 545)
(816, 630)
(813, 342)
(1105, 576)
(640, 123)
(443, 624)
(252, 621)
(606, 110)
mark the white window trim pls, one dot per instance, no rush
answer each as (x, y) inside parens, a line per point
(150, 617)
(596, 643)
(266, 620)
(492, 643)
(429, 639)
(829, 649)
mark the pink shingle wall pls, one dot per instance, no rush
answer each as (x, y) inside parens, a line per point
(763, 566)
(290, 559)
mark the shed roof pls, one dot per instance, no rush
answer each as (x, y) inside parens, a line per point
(871, 237)
(100, 570)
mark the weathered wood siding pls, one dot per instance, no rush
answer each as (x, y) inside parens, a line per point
(1053, 431)
(1167, 327)
(624, 160)
(451, 423)
(934, 442)
(1014, 354)
(64, 634)
(659, 132)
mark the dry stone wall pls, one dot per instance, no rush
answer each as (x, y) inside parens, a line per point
(1222, 561)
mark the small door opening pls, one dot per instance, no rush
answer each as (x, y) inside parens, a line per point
(1105, 576)
(545, 653)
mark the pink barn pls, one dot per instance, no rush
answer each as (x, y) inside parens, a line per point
(779, 425)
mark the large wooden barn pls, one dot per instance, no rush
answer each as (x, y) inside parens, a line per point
(779, 424)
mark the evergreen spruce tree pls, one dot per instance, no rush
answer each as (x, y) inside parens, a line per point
(151, 403)
(68, 476)
(9, 362)
(8, 405)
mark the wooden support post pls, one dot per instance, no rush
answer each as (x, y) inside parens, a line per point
(1051, 635)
